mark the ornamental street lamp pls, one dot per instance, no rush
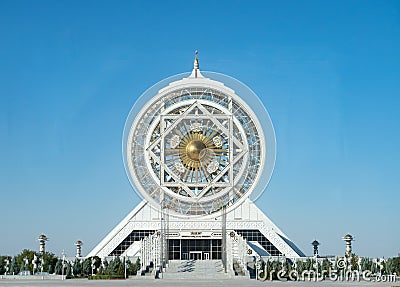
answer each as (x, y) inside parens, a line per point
(125, 266)
(348, 239)
(7, 265)
(315, 244)
(78, 245)
(34, 263)
(63, 265)
(93, 261)
(42, 243)
(25, 263)
(41, 264)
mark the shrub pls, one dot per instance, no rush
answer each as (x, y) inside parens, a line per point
(106, 277)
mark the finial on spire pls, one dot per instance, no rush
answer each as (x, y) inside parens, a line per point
(196, 63)
(196, 71)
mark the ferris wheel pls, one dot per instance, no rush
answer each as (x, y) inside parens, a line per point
(196, 143)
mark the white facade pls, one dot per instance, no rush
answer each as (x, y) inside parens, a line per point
(246, 217)
(194, 148)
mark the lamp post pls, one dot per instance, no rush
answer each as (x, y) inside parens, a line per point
(34, 260)
(41, 264)
(125, 266)
(42, 243)
(25, 263)
(62, 265)
(93, 261)
(348, 239)
(78, 245)
(223, 241)
(315, 245)
(7, 265)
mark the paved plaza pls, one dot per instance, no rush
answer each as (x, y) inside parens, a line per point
(185, 283)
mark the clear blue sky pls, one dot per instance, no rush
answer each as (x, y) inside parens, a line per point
(328, 72)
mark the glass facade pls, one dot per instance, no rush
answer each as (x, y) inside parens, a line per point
(256, 235)
(135, 235)
(197, 249)
(200, 248)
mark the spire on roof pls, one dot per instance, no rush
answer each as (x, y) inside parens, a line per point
(196, 60)
(196, 71)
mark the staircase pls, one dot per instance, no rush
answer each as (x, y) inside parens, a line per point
(238, 255)
(237, 268)
(148, 272)
(195, 269)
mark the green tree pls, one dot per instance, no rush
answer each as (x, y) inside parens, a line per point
(77, 267)
(58, 267)
(110, 267)
(300, 266)
(390, 267)
(366, 264)
(117, 266)
(286, 266)
(28, 254)
(374, 268)
(101, 270)
(87, 267)
(14, 268)
(105, 264)
(138, 264)
(113, 266)
(396, 264)
(326, 265)
(308, 265)
(128, 266)
(276, 265)
(354, 262)
(133, 268)
(121, 270)
(96, 261)
(3, 263)
(68, 269)
(268, 268)
(50, 261)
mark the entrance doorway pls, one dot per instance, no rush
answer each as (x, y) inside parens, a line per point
(194, 249)
(195, 255)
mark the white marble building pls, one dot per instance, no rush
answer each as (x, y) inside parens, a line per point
(199, 149)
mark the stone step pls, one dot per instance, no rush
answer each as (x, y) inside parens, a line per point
(185, 269)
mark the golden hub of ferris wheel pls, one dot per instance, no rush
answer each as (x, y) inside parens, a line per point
(196, 150)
